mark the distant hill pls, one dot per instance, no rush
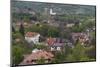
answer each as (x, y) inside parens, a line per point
(18, 6)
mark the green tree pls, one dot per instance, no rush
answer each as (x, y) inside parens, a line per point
(77, 54)
(59, 57)
(91, 52)
(53, 32)
(17, 54)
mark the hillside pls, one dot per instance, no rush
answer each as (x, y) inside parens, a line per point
(58, 8)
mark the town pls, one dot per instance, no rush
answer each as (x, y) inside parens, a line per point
(50, 35)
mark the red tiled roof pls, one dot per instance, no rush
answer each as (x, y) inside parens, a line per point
(77, 34)
(31, 34)
(38, 55)
(50, 41)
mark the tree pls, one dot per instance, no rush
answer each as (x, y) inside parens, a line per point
(21, 30)
(13, 29)
(77, 54)
(59, 57)
(17, 54)
(40, 46)
(53, 32)
(91, 52)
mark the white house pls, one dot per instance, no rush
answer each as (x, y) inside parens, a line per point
(32, 37)
(70, 25)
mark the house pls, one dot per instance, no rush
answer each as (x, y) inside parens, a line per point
(32, 12)
(82, 37)
(57, 47)
(17, 40)
(32, 37)
(56, 44)
(70, 25)
(25, 24)
(19, 23)
(37, 55)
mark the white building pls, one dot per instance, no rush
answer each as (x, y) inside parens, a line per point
(70, 25)
(32, 37)
(52, 13)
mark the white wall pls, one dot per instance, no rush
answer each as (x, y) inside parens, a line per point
(5, 34)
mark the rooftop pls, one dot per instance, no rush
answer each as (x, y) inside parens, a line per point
(56, 41)
(31, 34)
(36, 55)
